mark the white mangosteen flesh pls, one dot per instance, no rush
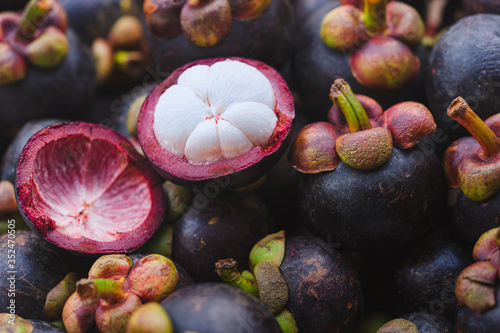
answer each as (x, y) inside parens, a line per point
(216, 112)
(89, 189)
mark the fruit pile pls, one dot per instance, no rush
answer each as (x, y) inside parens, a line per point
(250, 166)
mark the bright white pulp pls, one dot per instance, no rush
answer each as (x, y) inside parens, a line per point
(214, 112)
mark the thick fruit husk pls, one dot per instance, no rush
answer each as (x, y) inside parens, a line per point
(82, 141)
(227, 173)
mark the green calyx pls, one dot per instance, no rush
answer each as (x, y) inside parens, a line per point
(48, 50)
(270, 248)
(57, 296)
(342, 95)
(375, 16)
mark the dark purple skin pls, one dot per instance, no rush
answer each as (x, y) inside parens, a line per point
(64, 92)
(425, 274)
(324, 291)
(9, 160)
(316, 67)
(217, 307)
(226, 226)
(430, 323)
(472, 7)
(268, 38)
(469, 321)
(8, 5)
(39, 267)
(464, 63)
(473, 218)
(94, 18)
(376, 210)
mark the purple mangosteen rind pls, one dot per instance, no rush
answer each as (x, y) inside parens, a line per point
(228, 173)
(46, 227)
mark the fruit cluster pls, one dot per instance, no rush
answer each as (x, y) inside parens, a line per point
(249, 166)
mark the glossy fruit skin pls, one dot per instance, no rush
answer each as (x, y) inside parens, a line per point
(268, 38)
(212, 229)
(217, 307)
(316, 67)
(473, 218)
(324, 291)
(463, 63)
(64, 92)
(39, 267)
(376, 210)
(9, 160)
(469, 321)
(91, 19)
(430, 323)
(426, 272)
(228, 174)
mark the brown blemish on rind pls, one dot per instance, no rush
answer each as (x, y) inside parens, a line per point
(273, 290)
(365, 150)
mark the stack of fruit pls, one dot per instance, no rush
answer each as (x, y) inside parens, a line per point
(249, 166)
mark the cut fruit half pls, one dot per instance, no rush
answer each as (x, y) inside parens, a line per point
(85, 188)
(216, 118)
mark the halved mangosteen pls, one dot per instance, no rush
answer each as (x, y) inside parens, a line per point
(226, 120)
(85, 188)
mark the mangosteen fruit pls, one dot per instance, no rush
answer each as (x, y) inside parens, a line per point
(472, 7)
(115, 288)
(215, 228)
(85, 188)
(32, 268)
(419, 322)
(308, 285)
(221, 122)
(14, 323)
(217, 307)
(424, 275)
(179, 32)
(463, 63)
(478, 288)
(472, 166)
(46, 70)
(378, 52)
(366, 181)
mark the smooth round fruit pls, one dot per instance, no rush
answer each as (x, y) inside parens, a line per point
(222, 122)
(217, 307)
(85, 188)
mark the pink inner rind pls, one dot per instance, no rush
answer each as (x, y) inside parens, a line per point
(174, 167)
(85, 188)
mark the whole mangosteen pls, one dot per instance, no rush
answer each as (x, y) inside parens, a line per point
(180, 32)
(308, 285)
(472, 167)
(32, 268)
(85, 188)
(46, 70)
(378, 51)
(366, 181)
(215, 228)
(463, 63)
(217, 307)
(220, 122)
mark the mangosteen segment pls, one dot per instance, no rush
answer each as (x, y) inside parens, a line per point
(85, 188)
(211, 113)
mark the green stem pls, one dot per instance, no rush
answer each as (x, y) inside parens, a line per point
(92, 290)
(227, 270)
(375, 16)
(460, 111)
(33, 16)
(342, 95)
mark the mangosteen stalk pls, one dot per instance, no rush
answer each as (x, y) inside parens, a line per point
(92, 290)
(342, 95)
(33, 16)
(375, 16)
(460, 111)
(228, 271)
